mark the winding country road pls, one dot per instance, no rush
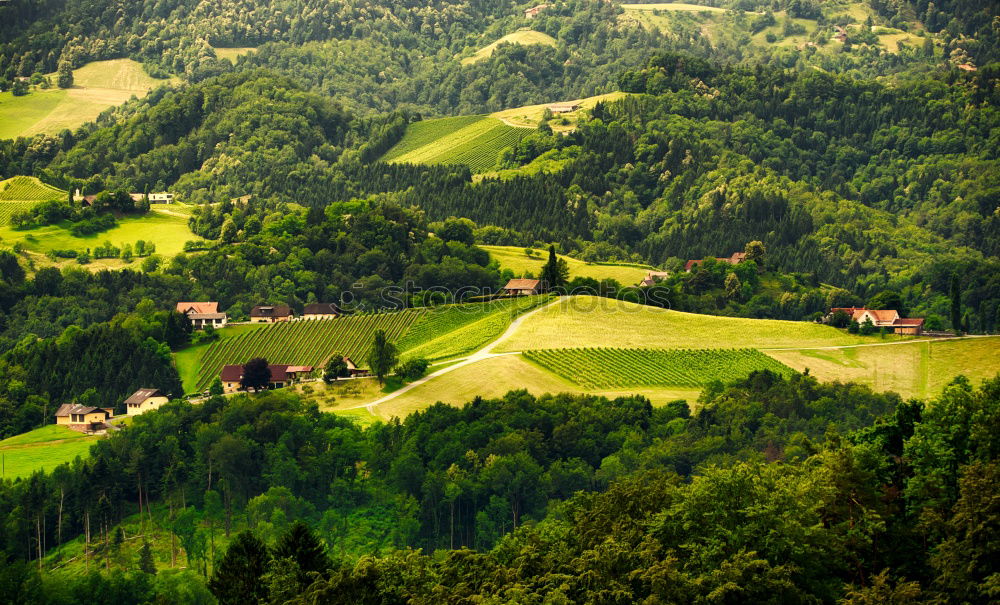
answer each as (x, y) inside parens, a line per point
(483, 353)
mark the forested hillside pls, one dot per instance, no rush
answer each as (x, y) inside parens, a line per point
(776, 490)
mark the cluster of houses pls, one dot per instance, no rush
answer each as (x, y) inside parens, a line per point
(282, 374)
(882, 318)
(96, 421)
(207, 314)
(162, 197)
(733, 259)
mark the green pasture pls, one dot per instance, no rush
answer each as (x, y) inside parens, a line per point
(41, 450)
(514, 258)
(524, 37)
(168, 232)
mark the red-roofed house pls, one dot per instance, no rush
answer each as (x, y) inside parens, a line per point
(884, 318)
(531, 13)
(282, 375)
(521, 287)
(203, 314)
(734, 259)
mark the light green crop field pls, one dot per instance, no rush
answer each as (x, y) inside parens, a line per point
(463, 140)
(602, 368)
(96, 87)
(233, 53)
(300, 343)
(188, 359)
(528, 116)
(912, 369)
(426, 132)
(454, 330)
(168, 232)
(673, 6)
(524, 37)
(41, 449)
(495, 376)
(28, 189)
(590, 321)
(514, 258)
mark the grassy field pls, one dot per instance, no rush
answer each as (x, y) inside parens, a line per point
(529, 115)
(587, 321)
(525, 37)
(454, 330)
(912, 369)
(673, 6)
(188, 359)
(603, 368)
(167, 231)
(472, 140)
(41, 449)
(495, 376)
(514, 258)
(233, 53)
(96, 87)
(299, 342)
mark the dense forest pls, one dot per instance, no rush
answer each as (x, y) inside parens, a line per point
(850, 172)
(775, 490)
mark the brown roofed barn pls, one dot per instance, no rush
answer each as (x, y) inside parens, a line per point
(271, 313)
(522, 287)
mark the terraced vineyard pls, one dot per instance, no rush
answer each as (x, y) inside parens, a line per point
(304, 342)
(602, 368)
(28, 189)
(454, 330)
(472, 140)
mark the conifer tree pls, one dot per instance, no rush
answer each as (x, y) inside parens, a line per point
(237, 579)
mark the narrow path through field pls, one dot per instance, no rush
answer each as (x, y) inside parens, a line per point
(483, 353)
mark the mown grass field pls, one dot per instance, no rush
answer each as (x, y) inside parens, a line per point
(299, 343)
(514, 258)
(912, 369)
(41, 449)
(673, 6)
(589, 321)
(96, 87)
(233, 53)
(525, 37)
(454, 330)
(605, 368)
(472, 140)
(529, 115)
(167, 231)
(495, 376)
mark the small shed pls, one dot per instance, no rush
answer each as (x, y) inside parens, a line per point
(522, 287)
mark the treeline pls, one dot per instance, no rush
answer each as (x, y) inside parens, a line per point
(783, 489)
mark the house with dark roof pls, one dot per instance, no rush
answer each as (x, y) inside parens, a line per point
(83, 418)
(268, 314)
(203, 314)
(653, 277)
(321, 311)
(282, 375)
(144, 400)
(522, 287)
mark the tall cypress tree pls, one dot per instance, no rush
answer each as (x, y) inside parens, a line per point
(555, 273)
(956, 304)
